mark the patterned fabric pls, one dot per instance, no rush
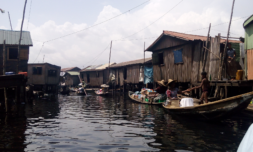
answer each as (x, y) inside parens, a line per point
(161, 97)
(172, 94)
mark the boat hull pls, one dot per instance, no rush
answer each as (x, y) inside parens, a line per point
(143, 102)
(101, 94)
(215, 110)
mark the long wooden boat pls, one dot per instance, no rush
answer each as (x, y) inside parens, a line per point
(141, 101)
(214, 110)
(101, 94)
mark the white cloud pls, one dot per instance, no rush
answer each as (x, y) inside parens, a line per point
(79, 48)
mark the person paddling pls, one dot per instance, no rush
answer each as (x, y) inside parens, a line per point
(205, 84)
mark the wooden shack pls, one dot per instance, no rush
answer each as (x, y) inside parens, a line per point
(13, 58)
(183, 57)
(95, 75)
(71, 78)
(248, 26)
(13, 61)
(130, 72)
(44, 76)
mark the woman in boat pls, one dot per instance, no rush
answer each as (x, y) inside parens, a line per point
(172, 90)
(161, 89)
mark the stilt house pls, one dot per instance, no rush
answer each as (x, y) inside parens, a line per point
(44, 76)
(130, 72)
(95, 75)
(248, 26)
(183, 57)
(13, 58)
(13, 61)
(70, 76)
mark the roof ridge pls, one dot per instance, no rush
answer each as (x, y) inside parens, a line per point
(183, 33)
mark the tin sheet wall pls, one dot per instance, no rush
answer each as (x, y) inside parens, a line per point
(250, 64)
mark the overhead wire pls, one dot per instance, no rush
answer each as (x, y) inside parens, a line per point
(98, 23)
(154, 21)
(94, 24)
(39, 52)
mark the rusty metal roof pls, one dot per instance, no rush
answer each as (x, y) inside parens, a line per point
(185, 37)
(69, 69)
(133, 62)
(12, 37)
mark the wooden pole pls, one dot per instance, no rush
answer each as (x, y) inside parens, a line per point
(144, 65)
(5, 94)
(205, 51)
(21, 36)
(110, 58)
(10, 20)
(225, 48)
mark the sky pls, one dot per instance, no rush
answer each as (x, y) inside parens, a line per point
(71, 33)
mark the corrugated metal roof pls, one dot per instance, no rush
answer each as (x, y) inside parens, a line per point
(73, 73)
(186, 37)
(191, 37)
(139, 61)
(248, 21)
(104, 66)
(12, 37)
(92, 67)
(69, 69)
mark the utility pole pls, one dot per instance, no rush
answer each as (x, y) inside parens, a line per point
(5, 94)
(21, 35)
(10, 20)
(225, 48)
(43, 58)
(110, 58)
(205, 50)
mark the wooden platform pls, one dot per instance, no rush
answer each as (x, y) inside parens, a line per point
(234, 83)
(250, 108)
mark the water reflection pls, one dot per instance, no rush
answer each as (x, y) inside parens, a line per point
(115, 123)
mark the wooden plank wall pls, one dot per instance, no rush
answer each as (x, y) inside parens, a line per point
(170, 70)
(156, 73)
(84, 76)
(196, 62)
(121, 77)
(202, 62)
(129, 74)
(135, 74)
(100, 78)
(250, 64)
(93, 79)
(214, 58)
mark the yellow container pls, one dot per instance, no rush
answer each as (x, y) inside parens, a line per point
(239, 74)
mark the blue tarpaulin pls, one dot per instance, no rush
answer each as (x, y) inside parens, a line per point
(178, 58)
(148, 74)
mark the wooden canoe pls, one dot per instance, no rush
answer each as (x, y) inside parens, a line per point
(144, 102)
(101, 94)
(214, 110)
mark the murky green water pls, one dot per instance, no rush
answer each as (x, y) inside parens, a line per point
(114, 123)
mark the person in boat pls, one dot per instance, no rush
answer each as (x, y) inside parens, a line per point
(172, 90)
(205, 84)
(161, 89)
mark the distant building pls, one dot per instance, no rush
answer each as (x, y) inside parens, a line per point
(95, 75)
(44, 76)
(70, 69)
(71, 78)
(12, 56)
(131, 72)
